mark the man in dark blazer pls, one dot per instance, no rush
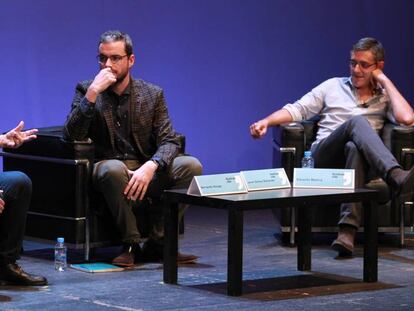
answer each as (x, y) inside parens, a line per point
(135, 145)
(15, 192)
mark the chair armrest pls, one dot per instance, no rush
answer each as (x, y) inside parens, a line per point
(400, 140)
(51, 147)
(288, 145)
(60, 172)
(288, 135)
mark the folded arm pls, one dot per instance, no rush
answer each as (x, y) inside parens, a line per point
(402, 110)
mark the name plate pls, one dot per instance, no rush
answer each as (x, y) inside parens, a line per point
(266, 179)
(323, 178)
(217, 184)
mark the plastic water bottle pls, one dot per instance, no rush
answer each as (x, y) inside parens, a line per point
(307, 161)
(60, 255)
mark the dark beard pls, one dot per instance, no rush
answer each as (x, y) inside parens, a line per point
(121, 79)
(118, 81)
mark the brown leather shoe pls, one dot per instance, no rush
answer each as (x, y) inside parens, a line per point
(344, 243)
(186, 258)
(153, 252)
(127, 257)
(402, 182)
(13, 274)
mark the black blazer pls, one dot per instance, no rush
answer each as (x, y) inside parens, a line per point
(152, 130)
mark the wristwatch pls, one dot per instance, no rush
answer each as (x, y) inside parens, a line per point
(157, 161)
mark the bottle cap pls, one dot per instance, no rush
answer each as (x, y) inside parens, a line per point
(61, 240)
(308, 153)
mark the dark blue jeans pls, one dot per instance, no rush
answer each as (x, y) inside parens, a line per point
(17, 189)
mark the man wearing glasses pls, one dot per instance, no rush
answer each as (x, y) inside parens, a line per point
(135, 145)
(351, 110)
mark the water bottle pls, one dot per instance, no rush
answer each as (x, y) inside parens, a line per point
(60, 255)
(307, 161)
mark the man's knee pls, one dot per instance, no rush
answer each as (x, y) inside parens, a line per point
(186, 167)
(16, 185)
(20, 182)
(350, 148)
(110, 170)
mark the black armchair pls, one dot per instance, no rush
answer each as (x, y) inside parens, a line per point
(291, 140)
(63, 201)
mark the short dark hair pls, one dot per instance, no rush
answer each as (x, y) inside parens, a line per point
(116, 35)
(370, 44)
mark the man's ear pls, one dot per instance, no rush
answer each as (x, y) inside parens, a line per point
(380, 65)
(131, 60)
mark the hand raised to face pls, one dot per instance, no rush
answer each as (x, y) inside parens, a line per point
(103, 80)
(378, 76)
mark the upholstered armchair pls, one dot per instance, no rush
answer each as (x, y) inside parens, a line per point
(63, 201)
(291, 140)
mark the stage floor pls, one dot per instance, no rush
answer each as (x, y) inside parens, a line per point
(271, 279)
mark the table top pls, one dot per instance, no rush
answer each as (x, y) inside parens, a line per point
(274, 198)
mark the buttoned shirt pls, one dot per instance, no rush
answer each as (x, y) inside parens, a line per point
(336, 101)
(121, 107)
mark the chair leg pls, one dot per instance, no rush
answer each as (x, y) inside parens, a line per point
(402, 220)
(87, 247)
(402, 225)
(292, 226)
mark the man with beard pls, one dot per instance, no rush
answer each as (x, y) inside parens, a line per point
(351, 110)
(135, 145)
(15, 193)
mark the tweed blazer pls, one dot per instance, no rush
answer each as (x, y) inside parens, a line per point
(151, 127)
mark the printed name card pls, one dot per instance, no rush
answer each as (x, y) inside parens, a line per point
(267, 179)
(323, 178)
(217, 184)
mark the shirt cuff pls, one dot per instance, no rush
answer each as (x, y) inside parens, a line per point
(87, 108)
(158, 161)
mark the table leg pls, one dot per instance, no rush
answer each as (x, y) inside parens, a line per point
(235, 253)
(170, 242)
(370, 242)
(304, 237)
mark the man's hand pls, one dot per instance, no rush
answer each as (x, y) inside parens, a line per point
(1, 202)
(259, 128)
(104, 79)
(16, 137)
(378, 76)
(140, 179)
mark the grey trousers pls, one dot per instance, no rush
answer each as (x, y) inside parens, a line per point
(354, 145)
(110, 177)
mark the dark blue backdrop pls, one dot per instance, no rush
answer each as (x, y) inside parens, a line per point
(222, 63)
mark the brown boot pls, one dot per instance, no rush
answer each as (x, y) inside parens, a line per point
(127, 257)
(344, 243)
(152, 251)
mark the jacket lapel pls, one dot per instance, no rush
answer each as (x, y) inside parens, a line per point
(136, 112)
(108, 116)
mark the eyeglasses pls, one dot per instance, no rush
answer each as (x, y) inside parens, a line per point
(102, 59)
(363, 65)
